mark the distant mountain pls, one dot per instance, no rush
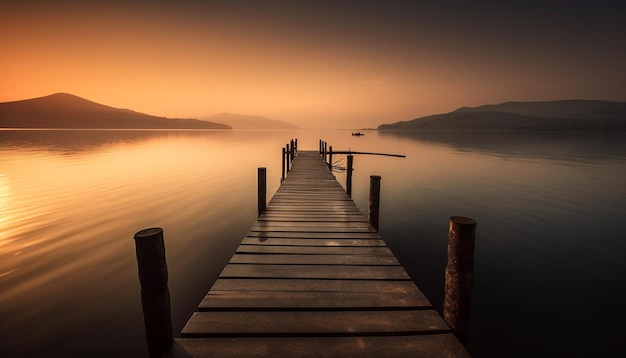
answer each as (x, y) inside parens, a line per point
(554, 116)
(238, 121)
(62, 110)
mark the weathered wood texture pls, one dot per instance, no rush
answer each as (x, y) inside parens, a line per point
(155, 295)
(459, 275)
(313, 279)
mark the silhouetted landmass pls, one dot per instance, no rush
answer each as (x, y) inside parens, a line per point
(62, 110)
(238, 121)
(555, 116)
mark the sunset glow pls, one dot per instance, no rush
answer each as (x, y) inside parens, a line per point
(310, 63)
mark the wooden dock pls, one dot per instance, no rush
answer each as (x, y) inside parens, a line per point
(313, 279)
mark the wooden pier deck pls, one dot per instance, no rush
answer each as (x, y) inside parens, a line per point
(313, 279)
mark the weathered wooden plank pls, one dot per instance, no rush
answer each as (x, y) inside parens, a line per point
(314, 235)
(329, 198)
(314, 250)
(307, 190)
(260, 226)
(311, 216)
(301, 183)
(332, 182)
(299, 196)
(306, 225)
(430, 346)
(317, 222)
(313, 279)
(312, 242)
(320, 219)
(318, 208)
(300, 211)
(310, 178)
(297, 199)
(332, 195)
(310, 205)
(314, 259)
(316, 285)
(277, 300)
(298, 323)
(330, 207)
(315, 271)
(269, 214)
(313, 211)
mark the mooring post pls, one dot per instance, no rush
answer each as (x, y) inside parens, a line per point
(296, 146)
(262, 190)
(374, 200)
(459, 276)
(292, 151)
(155, 295)
(349, 175)
(282, 175)
(320, 146)
(330, 157)
(287, 156)
(325, 147)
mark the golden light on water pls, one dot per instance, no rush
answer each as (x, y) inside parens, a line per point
(5, 192)
(56, 202)
(70, 202)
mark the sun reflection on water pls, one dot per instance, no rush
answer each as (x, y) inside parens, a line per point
(5, 192)
(70, 205)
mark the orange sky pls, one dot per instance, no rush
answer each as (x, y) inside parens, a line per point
(318, 64)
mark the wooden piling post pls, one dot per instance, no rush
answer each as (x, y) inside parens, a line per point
(296, 146)
(325, 147)
(349, 175)
(282, 175)
(330, 158)
(287, 156)
(155, 295)
(320, 145)
(262, 190)
(282, 172)
(459, 275)
(292, 152)
(374, 203)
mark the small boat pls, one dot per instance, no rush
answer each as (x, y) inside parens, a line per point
(357, 133)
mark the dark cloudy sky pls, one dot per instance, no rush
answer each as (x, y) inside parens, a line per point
(338, 64)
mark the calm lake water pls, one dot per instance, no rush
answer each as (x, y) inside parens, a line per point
(551, 236)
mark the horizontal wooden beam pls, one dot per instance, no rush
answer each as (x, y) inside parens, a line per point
(371, 153)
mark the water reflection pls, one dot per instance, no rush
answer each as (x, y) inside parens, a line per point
(72, 140)
(550, 212)
(550, 216)
(555, 146)
(70, 202)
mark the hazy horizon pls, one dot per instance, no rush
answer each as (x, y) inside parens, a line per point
(316, 64)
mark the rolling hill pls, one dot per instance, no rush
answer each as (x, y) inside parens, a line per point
(62, 110)
(554, 116)
(238, 121)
